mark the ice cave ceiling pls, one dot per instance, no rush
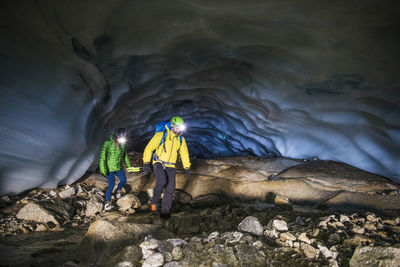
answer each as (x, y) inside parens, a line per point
(266, 78)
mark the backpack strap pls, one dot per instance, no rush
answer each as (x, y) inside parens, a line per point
(162, 142)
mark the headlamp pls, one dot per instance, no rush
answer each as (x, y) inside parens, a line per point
(182, 127)
(121, 140)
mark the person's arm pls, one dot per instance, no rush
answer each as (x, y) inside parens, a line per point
(127, 162)
(103, 159)
(151, 146)
(184, 153)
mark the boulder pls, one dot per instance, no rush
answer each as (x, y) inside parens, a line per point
(287, 236)
(251, 225)
(105, 238)
(55, 211)
(309, 251)
(155, 260)
(205, 201)
(181, 197)
(94, 206)
(96, 180)
(148, 246)
(128, 201)
(303, 238)
(375, 256)
(279, 225)
(325, 251)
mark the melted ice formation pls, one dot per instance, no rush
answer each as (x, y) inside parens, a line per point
(267, 78)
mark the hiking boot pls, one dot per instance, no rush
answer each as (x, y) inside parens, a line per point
(154, 207)
(118, 194)
(165, 216)
(108, 207)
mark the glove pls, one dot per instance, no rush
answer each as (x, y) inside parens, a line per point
(187, 173)
(146, 167)
(133, 169)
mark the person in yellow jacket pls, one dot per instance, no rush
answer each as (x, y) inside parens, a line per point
(166, 143)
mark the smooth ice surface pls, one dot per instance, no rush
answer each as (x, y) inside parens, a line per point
(292, 78)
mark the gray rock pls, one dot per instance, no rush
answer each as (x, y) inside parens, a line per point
(232, 237)
(358, 230)
(325, 251)
(68, 192)
(251, 225)
(150, 243)
(40, 228)
(157, 259)
(303, 238)
(344, 218)
(93, 206)
(78, 189)
(287, 236)
(370, 226)
(177, 253)
(211, 236)
(371, 218)
(168, 256)
(258, 244)
(309, 251)
(97, 180)
(279, 225)
(375, 256)
(55, 211)
(272, 233)
(6, 199)
(128, 201)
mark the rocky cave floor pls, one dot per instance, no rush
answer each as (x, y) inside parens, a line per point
(67, 227)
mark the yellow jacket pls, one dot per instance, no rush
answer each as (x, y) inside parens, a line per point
(172, 146)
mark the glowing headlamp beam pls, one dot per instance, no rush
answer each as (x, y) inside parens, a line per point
(182, 127)
(122, 140)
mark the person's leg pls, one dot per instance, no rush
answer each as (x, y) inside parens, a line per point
(169, 190)
(161, 181)
(122, 179)
(111, 183)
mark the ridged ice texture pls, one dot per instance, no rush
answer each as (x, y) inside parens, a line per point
(284, 78)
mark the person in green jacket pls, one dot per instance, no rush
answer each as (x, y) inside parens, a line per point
(111, 156)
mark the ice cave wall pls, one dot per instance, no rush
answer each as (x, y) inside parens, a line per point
(287, 78)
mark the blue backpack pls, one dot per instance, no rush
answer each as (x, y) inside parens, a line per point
(160, 127)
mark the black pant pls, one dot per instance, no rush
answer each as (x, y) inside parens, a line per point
(165, 178)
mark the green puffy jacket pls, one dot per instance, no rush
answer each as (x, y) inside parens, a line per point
(111, 157)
